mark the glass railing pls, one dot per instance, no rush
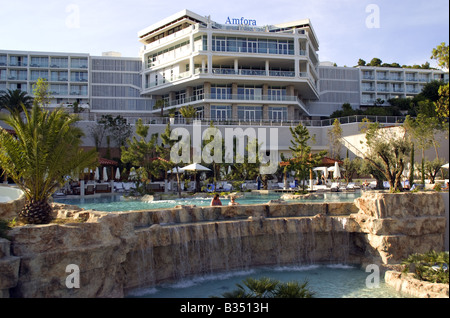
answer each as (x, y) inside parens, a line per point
(227, 71)
(274, 122)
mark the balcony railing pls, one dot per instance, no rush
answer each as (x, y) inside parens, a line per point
(227, 71)
(388, 120)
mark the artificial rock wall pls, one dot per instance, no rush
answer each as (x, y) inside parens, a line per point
(116, 252)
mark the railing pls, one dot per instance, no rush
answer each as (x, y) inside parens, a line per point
(238, 97)
(228, 71)
(387, 120)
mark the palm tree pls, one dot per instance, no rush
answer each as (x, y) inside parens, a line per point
(43, 153)
(188, 112)
(12, 100)
(266, 287)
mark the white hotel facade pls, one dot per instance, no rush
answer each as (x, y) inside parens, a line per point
(232, 74)
(227, 72)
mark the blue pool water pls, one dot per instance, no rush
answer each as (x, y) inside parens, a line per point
(326, 281)
(110, 203)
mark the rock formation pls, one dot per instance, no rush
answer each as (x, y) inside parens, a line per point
(118, 251)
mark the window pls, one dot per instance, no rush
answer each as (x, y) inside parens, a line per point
(219, 44)
(39, 61)
(17, 60)
(79, 76)
(58, 89)
(60, 62)
(250, 113)
(220, 91)
(250, 92)
(79, 63)
(220, 113)
(180, 97)
(35, 75)
(56, 76)
(198, 92)
(276, 93)
(278, 113)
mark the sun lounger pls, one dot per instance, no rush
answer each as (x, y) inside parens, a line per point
(118, 187)
(350, 186)
(102, 188)
(90, 189)
(417, 186)
(334, 187)
(210, 188)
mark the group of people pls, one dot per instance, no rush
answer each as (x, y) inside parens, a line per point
(216, 200)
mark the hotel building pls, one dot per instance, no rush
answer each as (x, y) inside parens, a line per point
(232, 74)
(228, 72)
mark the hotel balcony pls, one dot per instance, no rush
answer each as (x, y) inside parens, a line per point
(304, 82)
(237, 98)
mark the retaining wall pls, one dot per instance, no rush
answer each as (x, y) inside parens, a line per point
(119, 251)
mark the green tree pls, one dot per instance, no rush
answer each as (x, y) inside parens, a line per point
(334, 139)
(117, 127)
(188, 112)
(441, 54)
(350, 168)
(160, 103)
(361, 62)
(248, 167)
(45, 153)
(393, 148)
(422, 130)
(163, 150)
(441, 105)
(367, 168)
(41, 92)
(303, 160)
(12, 100)
(143, 154)
(432, 168)
(375, 62)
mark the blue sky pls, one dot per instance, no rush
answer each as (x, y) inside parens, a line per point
(406, 34)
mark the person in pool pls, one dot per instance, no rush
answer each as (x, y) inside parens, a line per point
(216, 200)
(232, 201)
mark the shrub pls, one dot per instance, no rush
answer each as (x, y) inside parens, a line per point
(266, 287)
(430, 267)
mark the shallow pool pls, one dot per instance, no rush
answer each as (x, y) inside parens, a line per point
(326, 281)
(112, 203)
(9, 194)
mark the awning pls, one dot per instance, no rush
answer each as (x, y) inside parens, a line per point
(107, 162)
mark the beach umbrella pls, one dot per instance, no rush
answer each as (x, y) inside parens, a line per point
(445, 166)
(97, 174)
(105, 174)
(196, 167)
(117, 176)
(337, 171)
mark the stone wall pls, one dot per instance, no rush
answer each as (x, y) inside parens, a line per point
(119, 251)
(399, 224)
(406, 283)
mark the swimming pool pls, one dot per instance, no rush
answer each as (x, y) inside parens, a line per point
(326, 281)
(120, 203)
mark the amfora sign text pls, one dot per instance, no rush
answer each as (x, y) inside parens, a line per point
(241, 21)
